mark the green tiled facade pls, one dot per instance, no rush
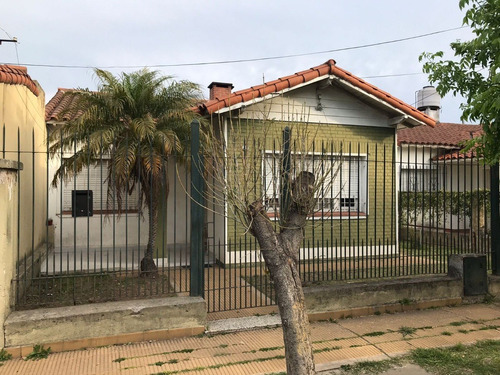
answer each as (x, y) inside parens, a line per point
(378, 226)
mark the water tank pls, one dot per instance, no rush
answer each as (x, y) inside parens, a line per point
(429, 101)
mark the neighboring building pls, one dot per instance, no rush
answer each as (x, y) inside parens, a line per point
(431, 161)
(358, 214)
(85, 218)
(23, 138)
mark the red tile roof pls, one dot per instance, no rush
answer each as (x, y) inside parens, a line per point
(328, 68)
(18, 75)
(457, 155)
(443, 134)
(61, 107)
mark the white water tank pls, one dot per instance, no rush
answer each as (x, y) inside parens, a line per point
(429, 101)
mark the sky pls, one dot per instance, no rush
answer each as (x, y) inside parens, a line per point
(132, 34)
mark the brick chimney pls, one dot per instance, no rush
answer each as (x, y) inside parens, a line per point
(220, 90)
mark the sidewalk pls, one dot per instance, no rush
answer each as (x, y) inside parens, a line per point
(261, 351)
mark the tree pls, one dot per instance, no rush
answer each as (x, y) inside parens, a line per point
(138, 120)
(238, 165)
(475, 75)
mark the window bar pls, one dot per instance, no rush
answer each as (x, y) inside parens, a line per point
(358, 193)
(74, 222)
(352, 257)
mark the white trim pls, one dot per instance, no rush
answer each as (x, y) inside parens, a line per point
(380, 101)
(268, 96)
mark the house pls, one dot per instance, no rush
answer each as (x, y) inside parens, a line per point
(358, 213)
(431, 160)
(89, 232)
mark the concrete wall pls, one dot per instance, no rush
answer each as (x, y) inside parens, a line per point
(8, 235)
(106, 323)
(21, 110)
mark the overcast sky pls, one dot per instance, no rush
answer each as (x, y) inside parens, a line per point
(162, 32)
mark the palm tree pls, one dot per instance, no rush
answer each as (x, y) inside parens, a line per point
(138, 120)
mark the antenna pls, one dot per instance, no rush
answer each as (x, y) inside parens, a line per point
(13, 40)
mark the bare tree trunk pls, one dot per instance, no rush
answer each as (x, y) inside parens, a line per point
(280, 252)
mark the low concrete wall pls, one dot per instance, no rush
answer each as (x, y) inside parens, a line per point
(119, 322)
(375, 296)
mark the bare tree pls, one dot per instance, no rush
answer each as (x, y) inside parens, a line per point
(271, 185)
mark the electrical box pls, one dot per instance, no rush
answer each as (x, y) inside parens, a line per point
(82, 203)
(471, 268)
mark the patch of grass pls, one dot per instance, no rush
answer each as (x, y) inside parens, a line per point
(183, 351)
(370, 367)
(479, 359)
(407, 331)
(221, 354)
(118, 360)
(464, 331)
(489, 298)
(159, 363)
(223, 345)
(446, 333)
(374, 334)
(84, 288)
(377, 313)
(39, 352)
(458, 324)
(406, 301)
(271, 348)
(171, 361)
(4, 355)
(327, 349)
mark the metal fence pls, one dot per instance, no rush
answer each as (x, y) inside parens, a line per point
(383, 212)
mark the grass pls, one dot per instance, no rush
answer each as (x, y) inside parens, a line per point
(407, 331)
(482, 358)
(39, 352)
(78, 289)
(4, 355)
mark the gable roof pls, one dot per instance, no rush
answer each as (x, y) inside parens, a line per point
(443, 134)
(18, 75)
(59, 108)
(327, 69)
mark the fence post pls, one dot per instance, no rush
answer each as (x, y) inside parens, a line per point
(197, 214)
(495, 219)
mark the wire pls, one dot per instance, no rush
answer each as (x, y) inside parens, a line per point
(220, 62)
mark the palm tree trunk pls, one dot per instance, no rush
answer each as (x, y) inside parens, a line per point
(148, 265)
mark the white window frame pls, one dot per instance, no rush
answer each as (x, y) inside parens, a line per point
(337, 201)
(89, 178)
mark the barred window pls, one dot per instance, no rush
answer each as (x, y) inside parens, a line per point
(343, 181)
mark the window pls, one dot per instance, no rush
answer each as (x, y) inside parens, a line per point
(419, 180)
(92, 184)
(343, 190)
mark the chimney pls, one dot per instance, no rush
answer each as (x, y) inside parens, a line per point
(220, 90)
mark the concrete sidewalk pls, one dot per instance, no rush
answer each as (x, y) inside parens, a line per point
(261, 351)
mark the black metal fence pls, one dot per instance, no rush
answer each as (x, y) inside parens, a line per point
(383, 212)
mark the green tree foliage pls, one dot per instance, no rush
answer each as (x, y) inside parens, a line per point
(138, 121)
(475, 74)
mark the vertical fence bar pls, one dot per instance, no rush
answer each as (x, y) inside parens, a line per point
(495, 219)
(197, 277)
